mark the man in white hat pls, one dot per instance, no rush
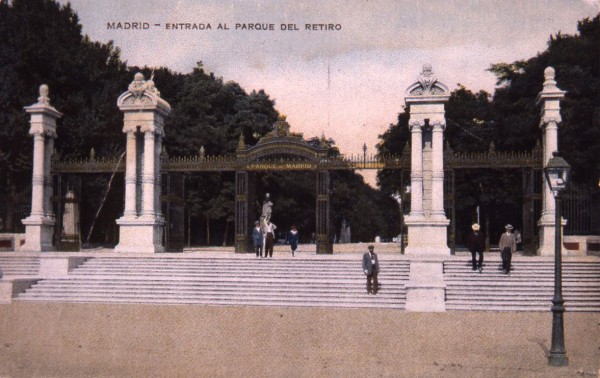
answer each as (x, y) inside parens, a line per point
(508, 245)
(476, 245)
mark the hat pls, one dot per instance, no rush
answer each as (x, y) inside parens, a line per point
(508, 227)
(257, 222)
(475, 227)
(370, 246)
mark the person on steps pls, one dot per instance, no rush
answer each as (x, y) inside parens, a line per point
(508, 245)
(293, 239)
(257, 239)
(476, 245)
(370, 265)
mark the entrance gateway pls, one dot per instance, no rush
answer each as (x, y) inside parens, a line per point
(145, 165)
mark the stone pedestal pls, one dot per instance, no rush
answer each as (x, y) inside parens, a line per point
(39, 226)
(141, 227)
(426, 290)
(427, 237)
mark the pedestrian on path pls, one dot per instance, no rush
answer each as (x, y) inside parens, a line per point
(293, 239)
(476, 245)
(370, 265)
(269, 235)
(257, 239)
(508, 245)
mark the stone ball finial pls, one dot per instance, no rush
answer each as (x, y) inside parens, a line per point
(549, 82)
(427, 68)
(138, 76)
(44, 92)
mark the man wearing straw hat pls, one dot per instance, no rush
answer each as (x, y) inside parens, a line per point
(508, 245)
(476, 245)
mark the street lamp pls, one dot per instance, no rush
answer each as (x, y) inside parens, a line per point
(557, 175)
(398, 196)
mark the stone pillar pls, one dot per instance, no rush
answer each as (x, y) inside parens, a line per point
(130, 176)
(142, 227)
(437, 178)
(549, 98)
(416, 170)
(39, 226)
(149, 177)
(427, 223)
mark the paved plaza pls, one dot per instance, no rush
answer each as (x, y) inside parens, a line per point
(100, 340)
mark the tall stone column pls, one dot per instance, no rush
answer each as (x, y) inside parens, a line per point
(416, 171)
(549, 98)
(157, 182)
(130, 176)
(39, 226)
(427, 224)
(437, 185)
(149, 177)
(141, 228)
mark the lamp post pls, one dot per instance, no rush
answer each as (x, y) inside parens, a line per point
(557, 175)
(399, 197)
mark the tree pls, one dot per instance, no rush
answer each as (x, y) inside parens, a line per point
(42, 44)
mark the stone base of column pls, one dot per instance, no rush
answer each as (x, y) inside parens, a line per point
(39, 232)
(425, 289)
(139, 235)
(547, 234)
(427, 237)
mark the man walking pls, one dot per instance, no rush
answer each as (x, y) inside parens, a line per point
(476, 245)
(508, 245)
(370, 265)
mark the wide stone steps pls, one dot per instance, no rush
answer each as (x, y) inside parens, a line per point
(21, 266)
(528, 287)
(225, 281)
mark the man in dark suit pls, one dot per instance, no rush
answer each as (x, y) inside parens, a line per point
(370, 265)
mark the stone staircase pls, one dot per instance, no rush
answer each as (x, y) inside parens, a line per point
(312, 280)
(529, 287)
(315, 281)
(21, 266)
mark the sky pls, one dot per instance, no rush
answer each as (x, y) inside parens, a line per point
(348, 83)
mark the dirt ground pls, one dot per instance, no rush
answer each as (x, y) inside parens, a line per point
(108, 340)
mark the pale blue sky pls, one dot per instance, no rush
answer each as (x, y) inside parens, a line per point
(347, 84)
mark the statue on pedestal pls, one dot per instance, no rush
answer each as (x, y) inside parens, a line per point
(267, 208)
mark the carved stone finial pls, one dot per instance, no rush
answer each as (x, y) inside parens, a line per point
(242, 142)
(427, 84)
(92, 154)
(427, 78)
(44, 91)
(549, 82)
(138, 85)
(202, 152)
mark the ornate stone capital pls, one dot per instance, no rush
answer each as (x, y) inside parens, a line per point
(415, 125)
(550, 122)
(438, 125)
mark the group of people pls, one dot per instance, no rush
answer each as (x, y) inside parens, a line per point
(508, 245)
(263, 234)
(263, 238)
